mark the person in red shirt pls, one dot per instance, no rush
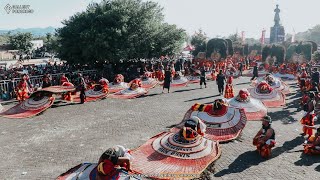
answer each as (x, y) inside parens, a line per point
(63, 79)
(229, 87)
(22, 90)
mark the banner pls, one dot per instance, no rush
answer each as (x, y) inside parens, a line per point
(243, 37)
(293, 36)
(263, 36)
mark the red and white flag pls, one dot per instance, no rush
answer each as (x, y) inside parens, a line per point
(263, 35)
(293, 36)
(243, 37)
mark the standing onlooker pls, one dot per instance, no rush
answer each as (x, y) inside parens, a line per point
(240, 68)
(203, 77)
(247, 63)
(45, 82)
(167, 79)
(220, 82)
(315, 76)
(11, 88)
(81, 88)
(255, 72)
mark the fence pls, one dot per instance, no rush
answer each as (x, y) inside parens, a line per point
(4, 84)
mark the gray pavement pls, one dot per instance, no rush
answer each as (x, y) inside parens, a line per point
(49, 144)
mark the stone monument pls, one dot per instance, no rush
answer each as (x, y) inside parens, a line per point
(277, 33)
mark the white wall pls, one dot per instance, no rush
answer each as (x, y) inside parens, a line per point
(36, 44)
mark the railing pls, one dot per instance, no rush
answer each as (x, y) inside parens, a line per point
(4, 84)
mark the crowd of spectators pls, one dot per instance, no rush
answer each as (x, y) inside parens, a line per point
(129, 69)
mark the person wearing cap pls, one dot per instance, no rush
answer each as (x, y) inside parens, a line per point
(265, 138)
(111, 161)
(308, 118)
(312, 144)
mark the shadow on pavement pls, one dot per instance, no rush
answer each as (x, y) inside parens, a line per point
(184, 90)
(55, 105)
(201, 98)
(243, 83)
(243, 162)
(252, 158)
(287, 146)
(285, 116)
(308, 160)
(150, 95)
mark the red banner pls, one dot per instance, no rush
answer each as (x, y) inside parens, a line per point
(263, 35)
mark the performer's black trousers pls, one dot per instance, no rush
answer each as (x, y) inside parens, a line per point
(221, 88)
(82, 98)
(254, 76)
(203, 81)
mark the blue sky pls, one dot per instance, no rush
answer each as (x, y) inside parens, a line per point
(215, 17)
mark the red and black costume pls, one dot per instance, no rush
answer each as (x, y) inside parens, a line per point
(229, 88)
(22, 90)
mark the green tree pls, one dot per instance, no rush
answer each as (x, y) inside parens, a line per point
(199, 41)
(51, 44)
(217, 45)
(118, 29)
(230, 47)
(316, 56)
(4, 38)
(21, 42)
(235, 38)
(252, 41)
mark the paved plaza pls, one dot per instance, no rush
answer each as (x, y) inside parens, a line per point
(63, 136)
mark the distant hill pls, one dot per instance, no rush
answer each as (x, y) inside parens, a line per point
(34, 31)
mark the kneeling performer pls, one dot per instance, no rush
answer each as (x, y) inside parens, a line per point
(265, 138)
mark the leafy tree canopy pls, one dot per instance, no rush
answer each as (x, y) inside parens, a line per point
(199, 41)
(21, 42)
(118, 29)
(274, 50)
(217, 45)
(316, 56)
